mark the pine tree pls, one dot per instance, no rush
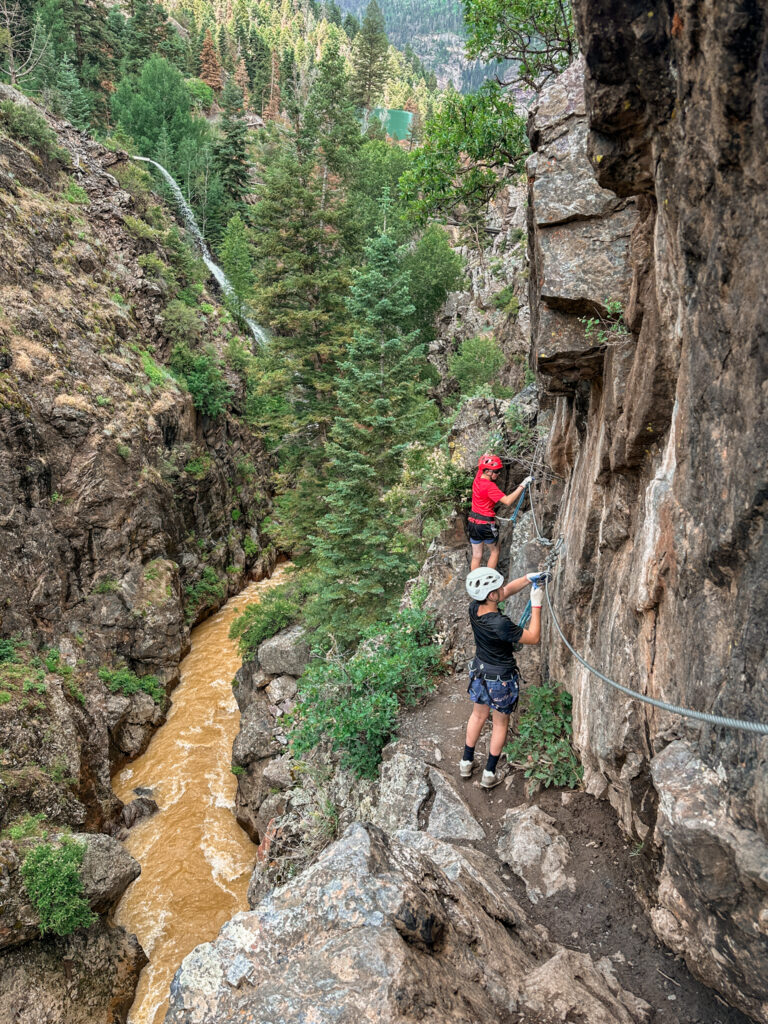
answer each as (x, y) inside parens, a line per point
(147, 32)
(370, 58)
(330, 116)
(236, 261)
(361, 556)
(271, 111)
(210, 65)
(258, 60)
(231, 153)
(299, 296)
(74, 100)
(241, 81)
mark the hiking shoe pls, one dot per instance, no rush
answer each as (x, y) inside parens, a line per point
(466, 768)
(491, 779)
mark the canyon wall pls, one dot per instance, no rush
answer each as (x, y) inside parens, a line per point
(126, 515)
(658, 433)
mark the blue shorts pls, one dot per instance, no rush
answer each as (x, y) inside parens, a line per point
(499, 691)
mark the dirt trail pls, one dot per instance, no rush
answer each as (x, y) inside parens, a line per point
(604, 916)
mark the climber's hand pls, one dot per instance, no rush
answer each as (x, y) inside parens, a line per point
(528, 480)
(538, 578)
(537, 596)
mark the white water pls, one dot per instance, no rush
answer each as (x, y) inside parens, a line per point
(259, 334)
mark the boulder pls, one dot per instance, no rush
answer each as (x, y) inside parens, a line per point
(137, 810)
(281, 689)
(286, 653)
(88, 978)
(535, 851)
(374, 930)
(449, 816)
(403, 789)
(255, 740)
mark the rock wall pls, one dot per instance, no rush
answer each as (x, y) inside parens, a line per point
(125, 515)
(659, 438)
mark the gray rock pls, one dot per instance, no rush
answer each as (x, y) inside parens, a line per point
(449, 816)
(287, 653)
(374, 930)
(535, 851)
(255, 739)
(88, 978)
(281, 689)
(403, 789)
(137, 810)
(277, 772)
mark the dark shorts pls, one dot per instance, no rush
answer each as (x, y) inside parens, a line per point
(498, 690)
(483, 533)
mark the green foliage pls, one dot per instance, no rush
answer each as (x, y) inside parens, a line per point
(507, 300)
(429, 489)
(158, 376)
(106, 586)
(466, 142)
(606, 326)
(353, 702)
(200, 373)
(124, 451)
(236, 263)
(26, 827)
(277, 608)
(181, 324)
(52, 879)
(208, 590)
(122, 680)
(237, 770)
(9, 649)
(370, 58)
(22, 122)
(199, 467)
(542, 746)
(360, 557)
(477, 363)
(73, 193)
(537, 35)
(434, 269)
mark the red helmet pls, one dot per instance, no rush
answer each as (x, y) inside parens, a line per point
(489, 462)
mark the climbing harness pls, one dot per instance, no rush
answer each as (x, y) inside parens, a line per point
(703, 716)
(501, 690)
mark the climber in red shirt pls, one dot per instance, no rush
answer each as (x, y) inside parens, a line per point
(482, 519)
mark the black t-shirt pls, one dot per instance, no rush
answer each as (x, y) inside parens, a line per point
(495, 636)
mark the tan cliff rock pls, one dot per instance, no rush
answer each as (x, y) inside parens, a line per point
(659, 435)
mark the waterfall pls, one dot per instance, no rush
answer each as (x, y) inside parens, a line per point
(259, 334)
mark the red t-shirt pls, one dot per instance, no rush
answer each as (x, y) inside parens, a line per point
(485, 495)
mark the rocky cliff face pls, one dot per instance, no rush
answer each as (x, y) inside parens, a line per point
(125, 514)
(659, 437)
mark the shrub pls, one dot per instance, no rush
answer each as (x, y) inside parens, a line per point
(354, 702)
(23, 122)
(201, 375)
(237, 770)
(51, 876)
(8, 649)
(250, 547)
(74, 193)
(605, 327)
(154, 266)
(24, 828)
(278, 608)
(199, 467)
(478, 362)
(208, 590)
(106, 586)
(140, 229)
(157, 374)
(181, 324)
(542, 747)
(122, 680)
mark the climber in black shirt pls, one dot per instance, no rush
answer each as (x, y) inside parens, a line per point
(493, 675)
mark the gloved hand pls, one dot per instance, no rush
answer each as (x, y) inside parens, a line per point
(537, 596)
(528, 480)
(538, 578)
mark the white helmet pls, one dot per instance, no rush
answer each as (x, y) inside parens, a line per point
(481, 582)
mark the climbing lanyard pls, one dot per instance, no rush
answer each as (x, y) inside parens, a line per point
(730, 723)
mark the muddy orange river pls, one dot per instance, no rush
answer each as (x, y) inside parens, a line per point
(195, 859)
